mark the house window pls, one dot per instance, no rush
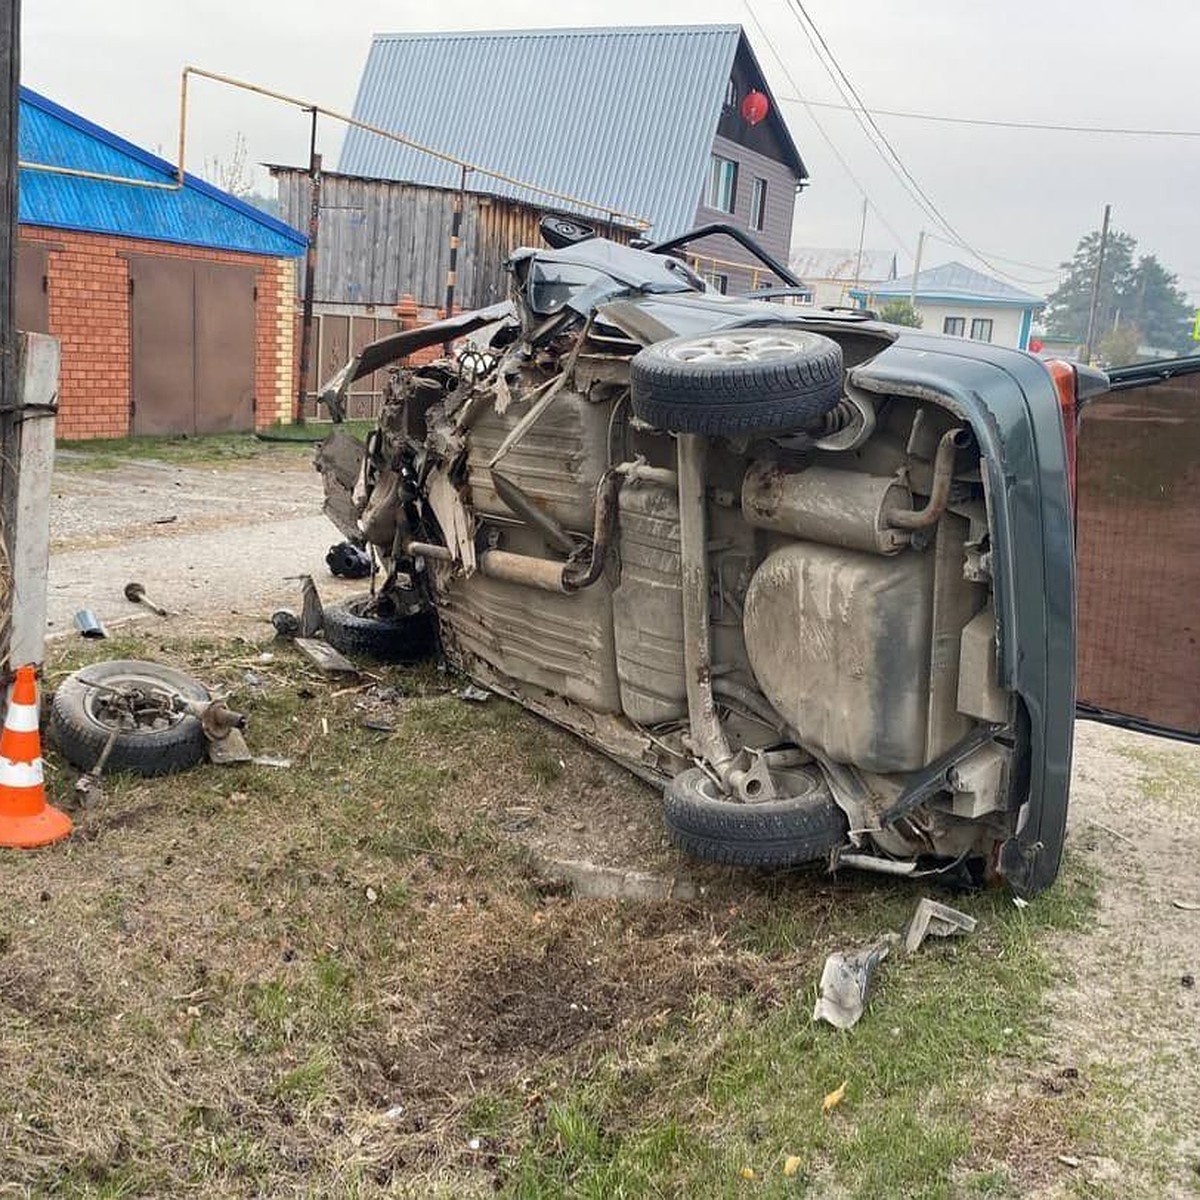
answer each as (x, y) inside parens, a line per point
(758, 204)
(981, 329)
(717, 281)
(731, 94)
(955, 326)
(722, 184)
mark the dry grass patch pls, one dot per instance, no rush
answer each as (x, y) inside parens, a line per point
(340, 979)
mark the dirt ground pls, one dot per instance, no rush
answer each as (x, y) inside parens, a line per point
(205, 540)
(1120, 1045)
(1128, 1002)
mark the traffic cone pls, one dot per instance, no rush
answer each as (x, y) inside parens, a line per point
(25, 817)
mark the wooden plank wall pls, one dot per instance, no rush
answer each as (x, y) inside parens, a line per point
(381, 240)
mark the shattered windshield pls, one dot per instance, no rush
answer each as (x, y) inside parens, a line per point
(552, 284)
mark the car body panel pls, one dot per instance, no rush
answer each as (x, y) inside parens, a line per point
(1009, 399)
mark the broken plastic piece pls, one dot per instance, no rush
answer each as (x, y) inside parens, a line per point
(844, 983)
(938, 920)
(89, 625)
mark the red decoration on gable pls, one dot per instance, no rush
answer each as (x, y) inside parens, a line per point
(755, 107)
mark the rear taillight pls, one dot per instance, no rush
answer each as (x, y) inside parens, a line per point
(1063, 374)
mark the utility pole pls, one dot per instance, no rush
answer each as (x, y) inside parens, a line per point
(10, 429)
(1090, 340)
(912, 291)
(310, 269)
(862, 233)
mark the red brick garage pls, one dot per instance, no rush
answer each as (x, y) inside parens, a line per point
(175, 308)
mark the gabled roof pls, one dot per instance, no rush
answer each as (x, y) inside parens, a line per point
(620, 116)
(198, 214)
(953, 281)
(813, 262)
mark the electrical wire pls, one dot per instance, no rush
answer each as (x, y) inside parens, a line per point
(996, 123)
(766, 41)
(879, 140)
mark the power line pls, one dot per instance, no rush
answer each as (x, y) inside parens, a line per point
(995, 123)
(821, 129)
(891, 158)
(1052, 273)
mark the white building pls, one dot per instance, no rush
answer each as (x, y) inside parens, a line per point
(831, 274)
(962, 302)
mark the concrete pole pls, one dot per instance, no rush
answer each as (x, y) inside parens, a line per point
(862, 233)
(10, 73)
(912, 291)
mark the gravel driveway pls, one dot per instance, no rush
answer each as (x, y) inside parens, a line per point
(204, 540)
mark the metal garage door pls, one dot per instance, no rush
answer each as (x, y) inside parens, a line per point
(192, 326)
(33, 308)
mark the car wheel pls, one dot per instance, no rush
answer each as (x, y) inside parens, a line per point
(350, 629)
(802, 826)
(152, 738)
(738, 381)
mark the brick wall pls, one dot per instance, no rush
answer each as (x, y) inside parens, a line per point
(88, 285)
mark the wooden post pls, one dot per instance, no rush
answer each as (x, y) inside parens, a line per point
(1090, 340)
(10, 73)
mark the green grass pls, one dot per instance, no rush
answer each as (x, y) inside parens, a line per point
(239, 971)
(101, 454)
(735, 1088)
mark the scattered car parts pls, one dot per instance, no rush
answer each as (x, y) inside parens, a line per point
(136, 594)
(845, 981)
(348, 561)
(89, 625)
(147, 711)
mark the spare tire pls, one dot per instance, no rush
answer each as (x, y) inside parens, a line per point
(81, 720)
(737, 381)
(350, 629)
(801, 827)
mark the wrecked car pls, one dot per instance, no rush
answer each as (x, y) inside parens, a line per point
(810, 574)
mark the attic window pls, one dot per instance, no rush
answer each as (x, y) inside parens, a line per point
(731, 96)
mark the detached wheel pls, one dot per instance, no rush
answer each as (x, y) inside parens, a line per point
(135, 699)
(798, 828)
(350, 629)
(737, 381)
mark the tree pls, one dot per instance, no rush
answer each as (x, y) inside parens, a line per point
(1157, 307)
(1067, 307)
(900, 312)
(1119, 345)
(1138, 302)
(230, 175)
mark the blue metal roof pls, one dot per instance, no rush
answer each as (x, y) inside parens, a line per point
(952, 281)
(198, 214)
(621, 117)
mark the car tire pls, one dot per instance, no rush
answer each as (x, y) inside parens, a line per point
(784, 832)
(409, 639)
(80, 732)
(739, 381)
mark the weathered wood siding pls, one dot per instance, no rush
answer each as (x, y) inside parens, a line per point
(380, 240)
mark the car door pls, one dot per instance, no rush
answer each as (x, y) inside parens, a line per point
(1138, 550)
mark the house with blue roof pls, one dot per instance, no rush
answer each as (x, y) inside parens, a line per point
(672, 125)
(958, 300)
(173, 301)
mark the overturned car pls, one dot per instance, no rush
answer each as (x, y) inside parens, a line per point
(810, 574)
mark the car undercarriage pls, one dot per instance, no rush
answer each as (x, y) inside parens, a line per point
(717, 541)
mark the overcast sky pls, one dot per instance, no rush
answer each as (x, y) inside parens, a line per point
(1023, 195)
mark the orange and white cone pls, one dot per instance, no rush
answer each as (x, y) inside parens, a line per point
(25, 818)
